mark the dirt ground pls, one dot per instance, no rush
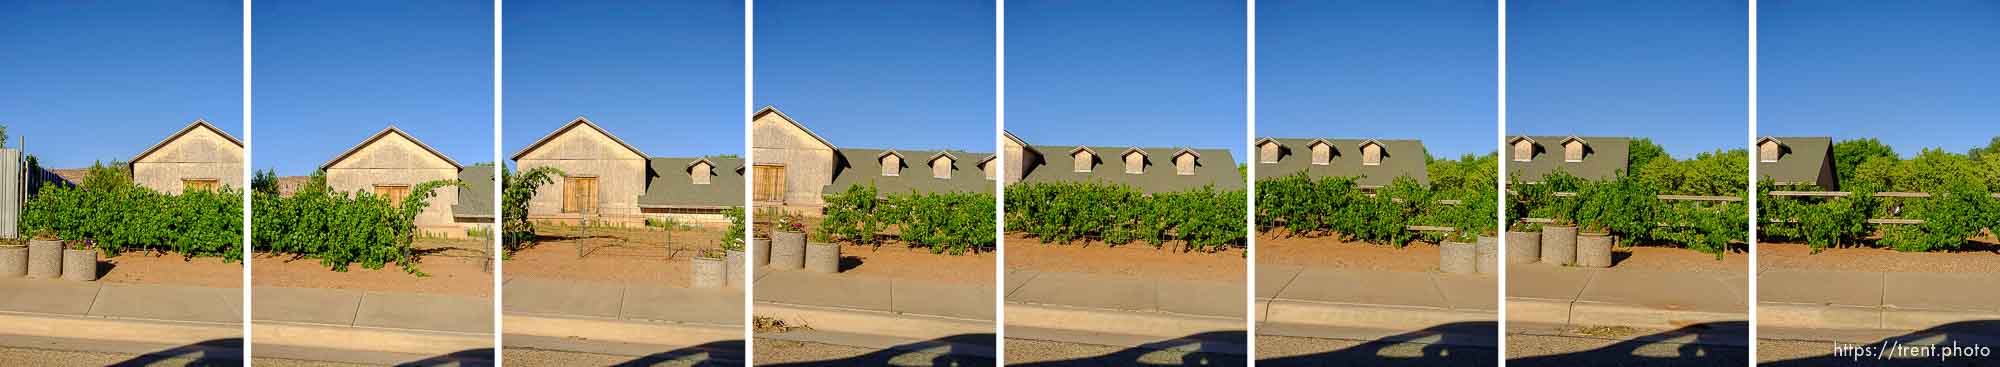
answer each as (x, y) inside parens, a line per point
(1330, 252)
(146, 267)
(1975, 257)
(1662, 258)
(900, 261)
(612, 255)
(1133, 260)
(457, 272)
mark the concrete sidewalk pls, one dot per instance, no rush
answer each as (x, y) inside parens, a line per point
(914, 310)
(369, 326)
(1564, 296)
(120, 316)
(1371, 305)
(1875, 300)
(641, 319)
(1120, 311)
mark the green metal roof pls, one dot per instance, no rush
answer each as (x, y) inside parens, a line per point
(475, 199)
(1400, 158)
(862, 166)
(1213, 167)
(1801, 161)
(668, 184)
(1603, 158)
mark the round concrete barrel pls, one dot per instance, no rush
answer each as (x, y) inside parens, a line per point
(79, 265)
(1488, 252)
(1559, 245)
(1523, 247)
(788, 250)
(823, 257)
(708, 272)
(45, 259)
(733, 262)
(761, 251)
(1593, 250)
(1457, 257)
(13, 261)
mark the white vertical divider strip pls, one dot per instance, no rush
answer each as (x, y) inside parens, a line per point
(749, 181)
(499, 318)
(1751, 139)
(1250, 193)
(1000, 185)
(1500, 133)
(250, 157)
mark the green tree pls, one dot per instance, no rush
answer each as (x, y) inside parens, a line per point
(1643, 151)
(1848, 155)
(1992, 147)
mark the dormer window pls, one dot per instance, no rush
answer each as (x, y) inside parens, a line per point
(1573, 150)
(1769, 150)
(1135, 161)
(892, 163)
(1184, 162)
(1524, 149)
(1268, 151)
(1371, 153)
(700, 171)
(941, 165)
(1082, 159)
(986, 167)
(1322, 152)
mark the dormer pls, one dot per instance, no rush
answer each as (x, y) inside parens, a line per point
(1769, 149)
(986, 166)
(1524, 148)
(941, 164)
(1574, 149)
(1371, 153)
(1135, 160)
(1083, 159)
(1267, 150)
(1184, 161)
(1322, 152)
(892, 163)
(700, 170)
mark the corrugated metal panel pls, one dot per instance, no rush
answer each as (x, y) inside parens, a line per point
(12, 186)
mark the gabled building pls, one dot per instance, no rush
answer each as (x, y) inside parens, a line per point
(1147, 169)
(606, 178)
(1790, 161)
(389, 164)
(197, 157)
(1373, 163)
(796, 167)
(1528, 158)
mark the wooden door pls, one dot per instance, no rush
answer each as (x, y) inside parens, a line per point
(770, 184)
(393, 193)
(580, 195)
(199, 184)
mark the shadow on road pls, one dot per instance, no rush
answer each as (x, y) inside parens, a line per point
(722, 353)
(1443, 345)
(1968, 336)
(952, 350)
(214, 352)
(471, 357)
(1713, 344)
(1172, 352)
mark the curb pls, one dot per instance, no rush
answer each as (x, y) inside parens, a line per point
(1160, 325)
(623, 331)
(118, 329)
(364, 339)
(1391, 317)
(1844, 317)
(1561, 312)
(906, 325)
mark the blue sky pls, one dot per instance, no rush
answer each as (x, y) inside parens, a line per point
(1380, 69)
(90, 81)
(1127, 72)
(1673, 71)
(1912, 74)
(665, 76)
(329, 74)
(880, 74)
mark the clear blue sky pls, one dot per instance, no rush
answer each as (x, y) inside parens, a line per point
(665, 76)
(1673, 71)
(1913, 74)
(1380, 69)
(328, 74)
(1128, 73)
(90, 81)
(880, 74)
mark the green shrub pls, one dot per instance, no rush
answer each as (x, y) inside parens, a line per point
(949, 223)
(516, 191)
(118, 216)
(341, 229)
(1206, 219)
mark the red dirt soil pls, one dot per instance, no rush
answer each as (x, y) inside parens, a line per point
(173, 269)
(449, 275)
(1979, 258)
(899, 261)
(615, 255)
(1139, 260)
(1662, 258)
(1329, 252)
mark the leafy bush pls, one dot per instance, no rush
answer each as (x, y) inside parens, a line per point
(732, 239)
(118, 216)
(1206, 219)
(1629, 206)
(949, 223)
(341, 229)
(516, 191)
(1959, 207)
(1335, 205)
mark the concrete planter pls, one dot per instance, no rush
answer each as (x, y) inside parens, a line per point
(733, 263)
(79, 265)
(45, 259)
(1457, 257)
(788, 250)
(708, 272)
(1523, 247)
(1559, 245)
(13, 261)
(760, 251)
(823, 257)
(1487, 250)
(1593, 250)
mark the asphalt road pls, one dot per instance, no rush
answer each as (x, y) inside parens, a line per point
(1048, 353)
(1544, 350)
(44, 357)
(775, 352)
(1294, 351)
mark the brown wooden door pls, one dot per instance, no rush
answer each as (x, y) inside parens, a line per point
(393, 193)
(199, 184)
(770, 184)
(580, 195)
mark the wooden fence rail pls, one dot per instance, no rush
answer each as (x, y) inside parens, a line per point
(1845, 193)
